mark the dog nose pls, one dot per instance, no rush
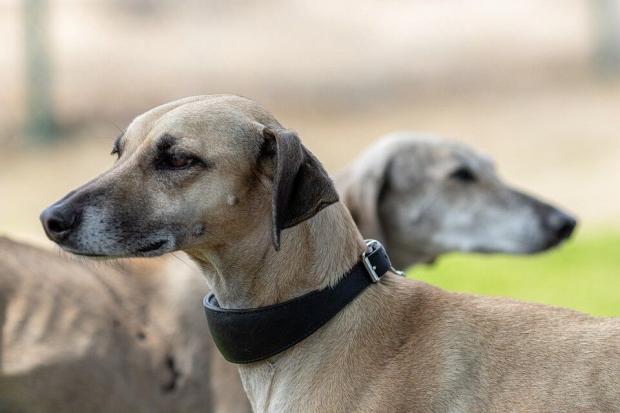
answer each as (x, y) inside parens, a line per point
(58, 221)
(561, 224)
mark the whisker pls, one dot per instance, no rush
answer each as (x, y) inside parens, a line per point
(180, 259)
(214, 236)
(121, 130)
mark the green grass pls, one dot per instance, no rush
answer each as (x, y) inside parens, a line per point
(583, 274)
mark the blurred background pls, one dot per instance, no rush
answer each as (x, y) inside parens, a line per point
(533, 84)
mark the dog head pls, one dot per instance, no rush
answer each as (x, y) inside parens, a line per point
(425, 196)
(201, 171)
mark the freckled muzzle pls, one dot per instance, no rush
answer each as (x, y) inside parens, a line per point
(107, 220)
(62, 220)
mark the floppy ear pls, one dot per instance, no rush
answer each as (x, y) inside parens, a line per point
(301, 187)
(362, 186)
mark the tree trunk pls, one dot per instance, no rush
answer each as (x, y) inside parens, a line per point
(607, 26)
(40, 124)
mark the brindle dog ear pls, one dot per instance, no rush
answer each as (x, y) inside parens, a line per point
(301, 187)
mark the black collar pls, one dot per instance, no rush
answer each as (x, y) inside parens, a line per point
(249, 335)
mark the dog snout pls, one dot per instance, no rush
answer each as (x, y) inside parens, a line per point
(59, 220)
(560, 224)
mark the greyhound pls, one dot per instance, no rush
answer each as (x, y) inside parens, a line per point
(424, 196)
(219, 178)
(169, 365)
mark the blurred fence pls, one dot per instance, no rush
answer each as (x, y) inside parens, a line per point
(334, 63)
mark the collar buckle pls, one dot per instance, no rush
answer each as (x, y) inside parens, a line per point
(375, 260)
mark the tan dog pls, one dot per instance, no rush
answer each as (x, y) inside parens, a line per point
(178, 369)
(218, 177)
(175, 349)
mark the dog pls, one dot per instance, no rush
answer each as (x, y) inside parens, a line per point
(187, 387)
(219, 178)
(81, 337)
(423, 196)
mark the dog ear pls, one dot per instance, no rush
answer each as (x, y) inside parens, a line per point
(362, 187)
(301, 187)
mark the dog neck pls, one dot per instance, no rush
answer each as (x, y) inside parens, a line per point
(249, 274)
(314, 254)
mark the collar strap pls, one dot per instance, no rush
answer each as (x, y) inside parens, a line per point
(250, 335)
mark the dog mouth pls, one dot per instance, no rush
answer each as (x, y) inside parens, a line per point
(152, 247)
(81, 253)
(86, 254)
(148, 250)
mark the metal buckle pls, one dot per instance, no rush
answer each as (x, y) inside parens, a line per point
(372, 247)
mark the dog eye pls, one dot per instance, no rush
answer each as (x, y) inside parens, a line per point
(463, 174)
(178, 161)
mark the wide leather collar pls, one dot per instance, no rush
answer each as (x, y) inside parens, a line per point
(250, 335)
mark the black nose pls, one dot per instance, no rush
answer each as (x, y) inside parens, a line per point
(560, 224)
(58, 221)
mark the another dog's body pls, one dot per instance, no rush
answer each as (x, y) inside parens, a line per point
(79, 337)
(255, 216)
